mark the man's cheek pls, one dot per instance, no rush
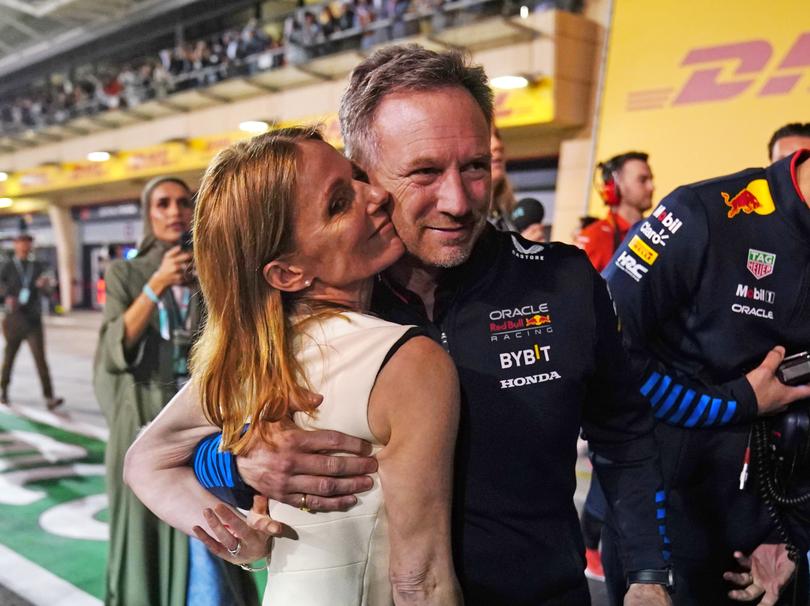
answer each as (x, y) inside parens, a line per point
(481, 192)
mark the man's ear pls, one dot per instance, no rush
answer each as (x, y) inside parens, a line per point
(286, 277)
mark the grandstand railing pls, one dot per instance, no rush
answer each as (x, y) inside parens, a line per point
(411, 23)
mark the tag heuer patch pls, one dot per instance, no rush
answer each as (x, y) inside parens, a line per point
(760, 263)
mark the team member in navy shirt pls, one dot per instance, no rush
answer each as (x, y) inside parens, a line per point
(712, 289)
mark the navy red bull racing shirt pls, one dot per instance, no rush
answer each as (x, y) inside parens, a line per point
(535, 338)
(717, 276)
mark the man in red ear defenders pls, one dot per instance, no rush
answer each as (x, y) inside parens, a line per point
(626, 188)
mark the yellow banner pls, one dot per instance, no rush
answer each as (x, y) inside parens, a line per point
(167, 158)
(525, 106)
(702, 86)
(533, 105)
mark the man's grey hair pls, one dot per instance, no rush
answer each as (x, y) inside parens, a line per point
(399, 68)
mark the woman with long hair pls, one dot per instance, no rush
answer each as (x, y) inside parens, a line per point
(503, 198)
(152, 313)
(288, 241)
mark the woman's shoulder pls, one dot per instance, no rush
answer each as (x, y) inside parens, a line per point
(119, 270)
(421, 357)
(350, 324)
(131, 269)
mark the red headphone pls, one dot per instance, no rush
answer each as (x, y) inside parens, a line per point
(608, 190)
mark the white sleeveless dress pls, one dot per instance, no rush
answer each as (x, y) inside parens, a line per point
(339, 558)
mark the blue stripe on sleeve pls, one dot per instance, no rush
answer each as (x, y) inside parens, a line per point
(660, 496)
(212, 462)
(669, 402)
(200, 464)
(685, 402)
(713, 412)
(662, 389)
(651, 382)
(211, 467)
(661, 513)
(731, 407)
(227, 462)
(699, 410)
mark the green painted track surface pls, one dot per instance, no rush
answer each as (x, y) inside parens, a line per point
(81, 562)
(33, 518)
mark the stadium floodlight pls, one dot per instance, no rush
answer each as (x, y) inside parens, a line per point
(99, 156)
(509, 82)
(254, 127)
(6, 202)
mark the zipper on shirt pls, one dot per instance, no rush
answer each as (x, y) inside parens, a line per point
(445, 343)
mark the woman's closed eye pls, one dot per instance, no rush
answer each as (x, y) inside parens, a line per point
(340, 201)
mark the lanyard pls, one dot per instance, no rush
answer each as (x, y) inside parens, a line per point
(183, 306)
(24, 276)
(180, 311)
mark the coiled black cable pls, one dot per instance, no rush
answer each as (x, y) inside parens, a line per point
(767, 483)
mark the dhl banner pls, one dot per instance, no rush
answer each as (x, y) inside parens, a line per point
(532, 105)
(702, 86)
(525, 106)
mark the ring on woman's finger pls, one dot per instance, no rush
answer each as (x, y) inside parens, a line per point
(235, 551)
(303, 504)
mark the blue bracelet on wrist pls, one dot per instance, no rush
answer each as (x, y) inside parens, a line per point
(150, 294)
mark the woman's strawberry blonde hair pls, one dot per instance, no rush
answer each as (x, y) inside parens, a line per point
(243, 363)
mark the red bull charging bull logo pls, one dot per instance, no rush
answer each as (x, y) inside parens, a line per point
(755, 198)
(538, 320)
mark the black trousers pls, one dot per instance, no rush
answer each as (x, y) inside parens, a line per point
(18, 328)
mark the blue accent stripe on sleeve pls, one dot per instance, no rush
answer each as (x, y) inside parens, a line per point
(713, 412)
(210, 464)
(227, 462)
(660, 513)
(685, 402)
(662, 389)
(196, 467)
(669, 402)
(662, 530)
(213, 468)
(699, 410)
(660, 496)
(200, 462)
(731, 408)
(651, 382)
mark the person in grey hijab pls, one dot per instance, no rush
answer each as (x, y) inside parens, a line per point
(152, 315)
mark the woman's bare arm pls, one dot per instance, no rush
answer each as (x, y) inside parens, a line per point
(156, 470)
(156, 465)
(414, 411)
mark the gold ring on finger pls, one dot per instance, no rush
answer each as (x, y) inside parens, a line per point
(303, 504)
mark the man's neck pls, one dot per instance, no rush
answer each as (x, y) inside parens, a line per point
(420, 280)
(629, 213)
(21, 257)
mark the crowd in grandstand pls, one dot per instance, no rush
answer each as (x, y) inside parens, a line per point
(310, 31)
